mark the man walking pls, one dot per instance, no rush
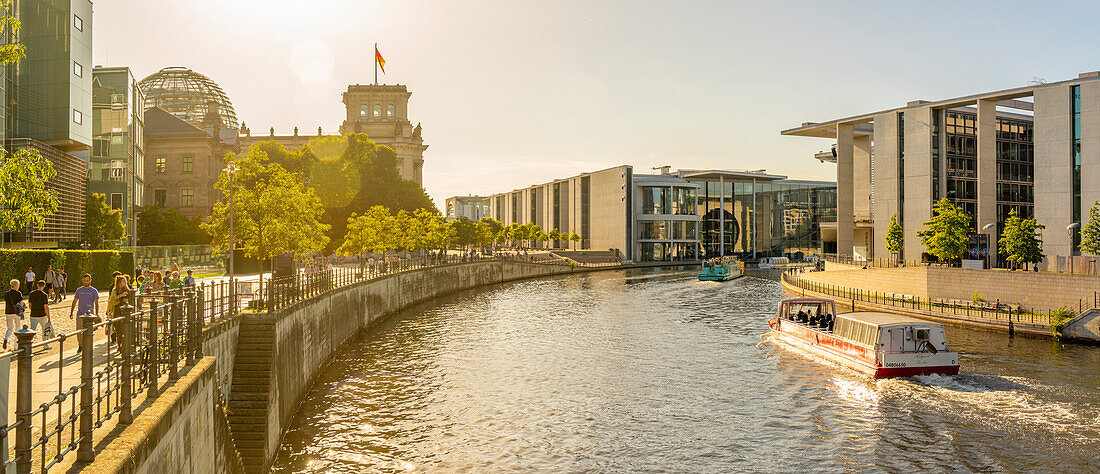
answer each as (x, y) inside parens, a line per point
(29, 278)
(40, 310)
(85, 299)
(188, 281)
(13, 307)
(49, 278)
(60, 281)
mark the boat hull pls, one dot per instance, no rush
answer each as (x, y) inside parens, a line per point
(726, 277)
(862, 359)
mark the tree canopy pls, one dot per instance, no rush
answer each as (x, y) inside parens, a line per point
(895, 239)
(168, 226)
(24, 199)
(1090, 232)
(103, 227)
(11, 51)
(947, 234)
(1022, 240)
(274, 213)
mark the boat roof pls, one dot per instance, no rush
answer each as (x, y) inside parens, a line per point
(807, 300)
(876, 318)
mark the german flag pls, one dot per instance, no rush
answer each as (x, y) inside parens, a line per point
(378, 59)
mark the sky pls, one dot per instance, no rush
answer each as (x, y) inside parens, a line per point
(516, 93)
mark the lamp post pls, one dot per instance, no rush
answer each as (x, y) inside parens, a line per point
(231, 169)
(1070, 229)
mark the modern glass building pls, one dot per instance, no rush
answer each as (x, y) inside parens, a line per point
(752, 214)
(469, 207)
(117, 163)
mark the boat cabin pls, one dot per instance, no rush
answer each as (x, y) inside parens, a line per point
(891, 332)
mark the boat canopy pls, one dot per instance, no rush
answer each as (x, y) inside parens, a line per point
(864, 327)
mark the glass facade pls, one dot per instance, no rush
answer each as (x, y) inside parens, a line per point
(787, 216)
(901, 168)
(117, 162)
(1015, 155)
(586, 214)
(1076, 199)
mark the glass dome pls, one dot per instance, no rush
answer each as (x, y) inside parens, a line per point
(188, 95)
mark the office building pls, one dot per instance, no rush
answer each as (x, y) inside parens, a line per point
(469, 207)
(117, 165)
(1035, 149)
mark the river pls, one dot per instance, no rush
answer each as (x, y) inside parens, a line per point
(653, 370)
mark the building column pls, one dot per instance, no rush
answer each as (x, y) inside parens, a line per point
(721, 216)
(1054, 169)
(887, 200)
(845, 167)
(987, 173)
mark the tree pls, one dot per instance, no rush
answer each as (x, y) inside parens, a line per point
(895, 239)
(574, 238)
(464, 232)
(102, 225)
(1022, 241)
(24, 199)
(554, 235)
(489, 231)
(274, 213)
(168, 226)
(12, 51)
(947, 234)
(375, 232)
(1090, 233)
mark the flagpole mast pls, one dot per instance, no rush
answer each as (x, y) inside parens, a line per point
(376, 64)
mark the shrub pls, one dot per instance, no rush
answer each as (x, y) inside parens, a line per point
(1058, 319)
(976, 298)
(100, 263)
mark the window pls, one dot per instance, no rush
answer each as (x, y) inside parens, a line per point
(160, 165)
(78, 118)
(187, 197)
(78, 23)
(160, 197)
(78, 70)
(364, 111)
(377, 110)
(390, 110)
(188, 163)
(116, 200)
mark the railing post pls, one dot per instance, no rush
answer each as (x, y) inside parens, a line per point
(23, 396)
(189, 328)
(200, 310)
(84, 452)
(126, 414)
(173, 332)
(151, 368)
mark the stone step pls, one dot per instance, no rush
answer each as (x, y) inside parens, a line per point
(248, 404)
(250, 436)
(253, 453)
(252, 379)
(251, 359)
(248, 396)
(246, 423)
(264, 387)
(255, 345)
(243, 444)
(251, 367)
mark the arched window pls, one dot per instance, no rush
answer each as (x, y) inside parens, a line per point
(377, 110)
(364, 111)
(390, 110)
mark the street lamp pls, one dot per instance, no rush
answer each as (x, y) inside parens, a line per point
(1070, 229)
(986, 228)
(231, 169)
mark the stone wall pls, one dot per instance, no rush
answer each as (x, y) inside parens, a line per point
(183, 430)
(1035, 291)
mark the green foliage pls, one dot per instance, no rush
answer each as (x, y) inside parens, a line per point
(574, 238)
(299, 161)
(1022, 240)
(100, 263)
(168, 226)
(895, 239)
(1090, 232)
(13, 51)
(103, 227)
(947, 234)
(1058, 320)
(378, 231)
(24, 199)
(273, 212)
(464, 232)
(492, 231)
(976, 298)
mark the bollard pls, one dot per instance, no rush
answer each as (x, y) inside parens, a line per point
(153, 355)
(126, 414)
(23, 396)
(173, 332)
(84, 452)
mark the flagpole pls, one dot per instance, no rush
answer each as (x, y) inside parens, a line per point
(376, 64)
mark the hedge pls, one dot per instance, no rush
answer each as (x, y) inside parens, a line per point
(99, 263)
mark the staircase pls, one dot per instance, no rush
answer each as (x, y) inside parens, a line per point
(249, 396)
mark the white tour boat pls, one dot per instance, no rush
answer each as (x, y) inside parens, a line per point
(878, 344)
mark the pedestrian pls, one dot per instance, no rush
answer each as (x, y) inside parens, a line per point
(119, 296)
(59, 285)
(85, 303)
(49, 278)
(174, 282)
(29, 277)
(13, 309)
(189, 281)
(40, 311)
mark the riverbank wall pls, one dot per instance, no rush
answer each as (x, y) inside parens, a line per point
(228, 413)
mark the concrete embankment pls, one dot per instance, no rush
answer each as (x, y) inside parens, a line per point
(260, 365)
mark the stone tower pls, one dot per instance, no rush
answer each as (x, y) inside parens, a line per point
(381, 112)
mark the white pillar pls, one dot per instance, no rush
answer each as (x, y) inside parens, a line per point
(845, 210)
(987, 173)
